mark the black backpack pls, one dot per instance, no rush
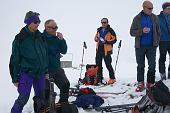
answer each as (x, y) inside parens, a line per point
(157, 100)
(161, 93)
(66, 108)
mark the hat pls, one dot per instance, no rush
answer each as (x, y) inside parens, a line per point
(165, 5)
(31, 17)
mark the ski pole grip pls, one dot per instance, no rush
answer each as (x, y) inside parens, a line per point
(120, 44)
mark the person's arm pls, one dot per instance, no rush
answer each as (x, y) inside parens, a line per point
(135, 30)
(113, 38)
(47, 58)
(96, 38)
(158, 28)
(14, 64)
(63, 46)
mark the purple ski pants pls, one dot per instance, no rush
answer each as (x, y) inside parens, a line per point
(24, 88)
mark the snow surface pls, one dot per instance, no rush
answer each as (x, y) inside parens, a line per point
(127, 85)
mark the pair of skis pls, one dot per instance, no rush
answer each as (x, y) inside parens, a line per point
(114, 109)
(75, 91)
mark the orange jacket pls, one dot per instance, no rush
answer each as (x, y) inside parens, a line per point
(110, 39)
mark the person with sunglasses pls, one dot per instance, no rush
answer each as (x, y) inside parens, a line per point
(28, 62)
(56, 46)
(105, 38)
(164, 45)
(146, 30)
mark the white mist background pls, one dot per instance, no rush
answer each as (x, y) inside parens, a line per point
(78, 20)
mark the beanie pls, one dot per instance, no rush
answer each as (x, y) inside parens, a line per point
(31, 17)
(165, 5)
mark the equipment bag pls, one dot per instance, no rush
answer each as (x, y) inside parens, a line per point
(161, 93)
(87, 97)
(91, 77)
(39, 104)
(66, 108)
(157, 100)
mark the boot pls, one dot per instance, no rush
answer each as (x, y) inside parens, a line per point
(163, 76)
(111, 81)
(140, 87)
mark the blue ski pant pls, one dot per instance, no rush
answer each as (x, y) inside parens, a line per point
(24, 88)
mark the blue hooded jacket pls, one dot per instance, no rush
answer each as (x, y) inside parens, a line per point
(165, 26)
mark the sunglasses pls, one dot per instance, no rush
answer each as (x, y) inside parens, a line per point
(168, 7)
(150, 8)
(36, 22)
(103, 22)
(56, 27)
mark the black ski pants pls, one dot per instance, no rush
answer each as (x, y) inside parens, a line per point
(62, 83)
(108, 61)
(164, 47)
(150, 53)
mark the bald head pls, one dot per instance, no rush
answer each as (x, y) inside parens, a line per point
(147, 7)
(147, 3)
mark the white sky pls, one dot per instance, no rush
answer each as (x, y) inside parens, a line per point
(78, 20)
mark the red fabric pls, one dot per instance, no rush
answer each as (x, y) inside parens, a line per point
(135, 109)
(85, 91)
(92, 72)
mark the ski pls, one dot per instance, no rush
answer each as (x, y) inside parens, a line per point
(116, 108)
(74, 92)
(111, 93)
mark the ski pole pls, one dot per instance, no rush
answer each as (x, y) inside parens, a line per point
(84, 47)
(119, 46)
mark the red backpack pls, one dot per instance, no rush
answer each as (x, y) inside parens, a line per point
(91, 77)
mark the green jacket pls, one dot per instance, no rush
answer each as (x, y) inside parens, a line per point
(136, 29)
(56, 47)
(29, 54)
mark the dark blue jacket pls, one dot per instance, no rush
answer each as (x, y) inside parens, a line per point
(165, 26)
(56, 47)
(86, 100)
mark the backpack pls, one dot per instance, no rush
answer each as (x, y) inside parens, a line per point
(39, 104)
(66, 108)
(91, 77)
(161, 90)
(157, 100)
(87, 97)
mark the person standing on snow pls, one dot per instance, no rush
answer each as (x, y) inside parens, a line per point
(56, 46)
(164, 45)
(28, 62)
(105, 38)
(146, 30)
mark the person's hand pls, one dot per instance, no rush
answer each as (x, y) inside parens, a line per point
(16, 84)
(60, 35)
(47, 76)
(146, 30)
(96, 39)
(102, 40)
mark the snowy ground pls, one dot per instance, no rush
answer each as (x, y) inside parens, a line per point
(126, 85)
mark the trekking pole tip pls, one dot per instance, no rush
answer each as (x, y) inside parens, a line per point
(120, 44)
